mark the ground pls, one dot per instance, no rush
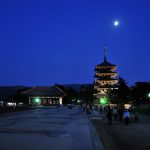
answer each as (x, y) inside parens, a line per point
(70, 129)
(48, 129)
(135, 136)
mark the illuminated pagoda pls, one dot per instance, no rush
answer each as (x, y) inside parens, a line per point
(105, 80)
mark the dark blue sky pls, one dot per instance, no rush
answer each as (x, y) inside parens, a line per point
(43, 42)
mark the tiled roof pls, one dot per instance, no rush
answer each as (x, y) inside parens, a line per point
(106, 63)
(44, 91)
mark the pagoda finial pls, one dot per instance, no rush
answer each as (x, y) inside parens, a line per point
(105, 54)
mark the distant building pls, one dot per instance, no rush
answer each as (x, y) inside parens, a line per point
(44, 95)
(104, 79)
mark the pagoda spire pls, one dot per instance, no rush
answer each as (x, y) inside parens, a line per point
(105, 59)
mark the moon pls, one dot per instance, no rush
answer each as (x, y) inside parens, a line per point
(116, 23)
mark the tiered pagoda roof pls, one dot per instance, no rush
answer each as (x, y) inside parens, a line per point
(106, 63)
(105, 77)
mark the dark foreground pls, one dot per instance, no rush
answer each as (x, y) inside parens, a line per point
(135, 136)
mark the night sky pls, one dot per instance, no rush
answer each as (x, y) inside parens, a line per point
(43, 42)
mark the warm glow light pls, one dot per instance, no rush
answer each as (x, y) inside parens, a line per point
(127, 106)
(60, 100)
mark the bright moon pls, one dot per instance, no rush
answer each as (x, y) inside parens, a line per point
(116, 23)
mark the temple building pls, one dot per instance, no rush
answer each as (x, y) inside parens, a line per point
(44, 95)
(105, 80)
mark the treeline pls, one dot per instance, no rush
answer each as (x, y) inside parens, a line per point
(84, 94)
(136, 94)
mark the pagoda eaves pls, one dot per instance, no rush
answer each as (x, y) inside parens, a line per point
(104, 78)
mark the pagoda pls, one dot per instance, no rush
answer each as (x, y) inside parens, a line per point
(105, 79)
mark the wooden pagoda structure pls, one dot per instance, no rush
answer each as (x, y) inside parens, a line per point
(105, 79)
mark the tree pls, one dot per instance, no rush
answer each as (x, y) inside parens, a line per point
(122, 94)
(140, 92)
(86, 93)
(70, 93)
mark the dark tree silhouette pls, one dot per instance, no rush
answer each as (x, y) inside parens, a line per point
(86, 93)
(139, 92)
(70, 93)
(122, 94)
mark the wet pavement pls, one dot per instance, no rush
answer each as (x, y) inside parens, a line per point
(48, 129)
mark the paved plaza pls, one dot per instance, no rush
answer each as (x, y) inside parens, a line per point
(48, 129)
